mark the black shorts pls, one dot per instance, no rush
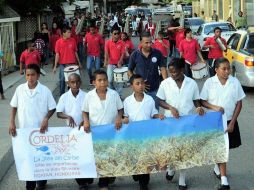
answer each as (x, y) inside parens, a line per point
(234, 137)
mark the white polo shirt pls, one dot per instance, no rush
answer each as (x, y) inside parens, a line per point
(102, 112)
(225, 96)
(71, 105)
(138, 111)
(181, 99)
(33, 105)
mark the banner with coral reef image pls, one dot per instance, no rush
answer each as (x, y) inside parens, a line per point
(153, 145)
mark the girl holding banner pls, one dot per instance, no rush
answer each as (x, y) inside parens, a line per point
(178, 95)
(224, 93)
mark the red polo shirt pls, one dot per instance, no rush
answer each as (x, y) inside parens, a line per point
(94, 43)
(66, 49)
(215, 52)
(30, 57)
(114, 50)
(179, 38)
(128, 45)
(189, 50)
(158, 45)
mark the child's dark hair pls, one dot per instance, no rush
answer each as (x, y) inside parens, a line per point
(34, 67)
(64, 30)
(99, 72)
(29, 43)
(219, 61)
(161, 33)
(127, 36)
(187, 30)
(177, 63)
(37, 35)
(74, 75)
(145, 35)
(135, 76)
(115, 27)
(216, 28)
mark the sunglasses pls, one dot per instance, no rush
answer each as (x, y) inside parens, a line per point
(116, 33)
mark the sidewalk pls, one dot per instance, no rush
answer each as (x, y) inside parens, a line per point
(10, 82)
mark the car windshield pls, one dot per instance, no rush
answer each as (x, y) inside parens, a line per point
(138, 11)
(196, 22)
(225, 27)
(199, 32)
(250, 44)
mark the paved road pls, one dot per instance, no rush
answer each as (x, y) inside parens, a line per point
(241, 165)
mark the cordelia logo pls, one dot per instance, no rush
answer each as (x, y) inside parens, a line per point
(47, 143)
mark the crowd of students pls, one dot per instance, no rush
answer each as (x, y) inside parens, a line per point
(178, 94)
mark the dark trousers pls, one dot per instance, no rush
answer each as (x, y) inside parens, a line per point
(30, 185)
(172, 47)
(187, 70)
(84, 181)
(143, 179)
(1, 85)
(105, 181)
(211, 67)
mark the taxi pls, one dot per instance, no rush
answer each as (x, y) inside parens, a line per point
(240, 53)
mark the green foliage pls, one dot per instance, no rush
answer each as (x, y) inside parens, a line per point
(33, 6)
(2, 3)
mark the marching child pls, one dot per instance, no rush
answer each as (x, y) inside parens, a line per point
(224, 93)
(29, 56)
(69, 108)
(30, 115)
(102, 106)
(137, 107)
(178, 95)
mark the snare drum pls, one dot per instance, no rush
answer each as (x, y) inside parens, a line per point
(69, 70)
(199, 70)
(121, 74)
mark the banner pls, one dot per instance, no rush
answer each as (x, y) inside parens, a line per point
(60, 153)
(137, 148)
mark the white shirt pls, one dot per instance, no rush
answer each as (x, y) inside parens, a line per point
(181, 99)
(71, 105)
(32, 108)
(99, 114)
(138, 111)
(225, 96)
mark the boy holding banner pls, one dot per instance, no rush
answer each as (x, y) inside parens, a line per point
(29, 114)
(224, 93)
(137, 107)
(178, 95)
(102, 106)
(69, 108)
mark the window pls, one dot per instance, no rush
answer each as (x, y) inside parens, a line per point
(234, 40)
(225, 27)
(249, 44)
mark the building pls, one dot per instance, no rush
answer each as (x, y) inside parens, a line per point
(225, 9)
(8, 35)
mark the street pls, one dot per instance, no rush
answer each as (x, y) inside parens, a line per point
(240, 167)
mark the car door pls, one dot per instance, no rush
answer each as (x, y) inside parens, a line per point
(233, 42)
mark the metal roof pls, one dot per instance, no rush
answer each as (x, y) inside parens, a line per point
(9, 15)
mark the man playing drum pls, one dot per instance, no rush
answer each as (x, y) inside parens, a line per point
(66, 55)
(215, 49)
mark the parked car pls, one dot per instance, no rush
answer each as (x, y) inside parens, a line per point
(193, 23)
(240, 54)
(138, 10)
(207, 30)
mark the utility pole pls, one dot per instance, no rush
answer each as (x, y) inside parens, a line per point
(92, 8)
(105, 6)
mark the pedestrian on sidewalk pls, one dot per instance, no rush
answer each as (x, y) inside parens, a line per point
(30, 115)
(69, 107)
(66, 55)
(2, 62)
(29, 56)
(94, 43)
(40, 45)
(114, 54)
(96, 108)
(137, 107)
(224, 93)
(146, 61)
(45, 35)
(179, 95)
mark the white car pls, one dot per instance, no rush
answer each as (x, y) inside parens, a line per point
(207, 30)
(193, 23)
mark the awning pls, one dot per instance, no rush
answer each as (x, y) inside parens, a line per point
(9, 15)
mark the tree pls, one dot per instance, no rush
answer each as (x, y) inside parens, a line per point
(34, 6)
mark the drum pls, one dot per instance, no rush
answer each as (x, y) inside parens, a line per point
(121, 74)
(199, 70)
(69, 70)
